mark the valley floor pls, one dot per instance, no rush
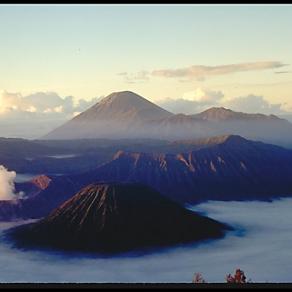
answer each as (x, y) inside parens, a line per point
(261, 247)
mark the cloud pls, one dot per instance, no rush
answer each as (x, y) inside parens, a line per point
(201, 99)
(282, 72)
(83, 104)
(36, 114)
(7, 189)
(193, 101)
(203, 96)
(181, 105)
(200, 72)
(122, 74)
(254, 104)
(137, 77)
(45, 103)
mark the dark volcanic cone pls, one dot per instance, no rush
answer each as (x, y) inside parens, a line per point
(115, 218)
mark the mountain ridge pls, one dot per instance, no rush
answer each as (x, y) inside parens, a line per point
(231, 169)
(222, 113)
(131, 116)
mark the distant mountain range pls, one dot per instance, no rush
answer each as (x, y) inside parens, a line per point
(225, 168)
(119, 175)
(126, 115)
(218, 168)
(62, 156)
(115, 218)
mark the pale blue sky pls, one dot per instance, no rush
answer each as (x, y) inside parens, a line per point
(78, 50)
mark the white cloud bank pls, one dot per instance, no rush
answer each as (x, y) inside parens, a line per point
(32, 116)
(41, 103)
(253, 104)
(201, 99)
(193, 101)
(261, 247)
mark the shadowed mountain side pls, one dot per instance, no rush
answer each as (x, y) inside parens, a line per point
(88, 154)
(115, 218)
(39, 202)
(16, 147)
(235, 169)
(230, 168)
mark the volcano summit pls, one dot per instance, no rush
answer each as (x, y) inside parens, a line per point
(117, 217)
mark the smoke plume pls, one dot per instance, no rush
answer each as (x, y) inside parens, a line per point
(7, 188)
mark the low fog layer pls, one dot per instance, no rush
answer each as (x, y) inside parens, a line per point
(28, 129)
(182, 127)
(261, 247)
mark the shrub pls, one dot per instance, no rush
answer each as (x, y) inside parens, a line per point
(238, 277)
(198, 278)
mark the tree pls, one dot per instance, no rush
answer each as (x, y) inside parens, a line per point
(198, 278)
(238, 277)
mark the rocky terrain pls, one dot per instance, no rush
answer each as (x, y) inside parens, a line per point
(229, 168)
(116, 218)
(219, 168)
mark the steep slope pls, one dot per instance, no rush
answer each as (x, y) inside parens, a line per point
(124, 106)
(42, 196)
(119, 115)
(115, 218)
(34, 186)
(126, 115)
(222, 168)
(233, 169)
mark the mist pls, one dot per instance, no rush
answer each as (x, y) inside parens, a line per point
(260, 246)
(181, 127)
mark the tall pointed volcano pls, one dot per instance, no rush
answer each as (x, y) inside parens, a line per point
(126, 115)
(118, 217)
(124, 106)
(119, 115)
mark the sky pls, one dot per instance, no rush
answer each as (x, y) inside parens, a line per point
(183, 57)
